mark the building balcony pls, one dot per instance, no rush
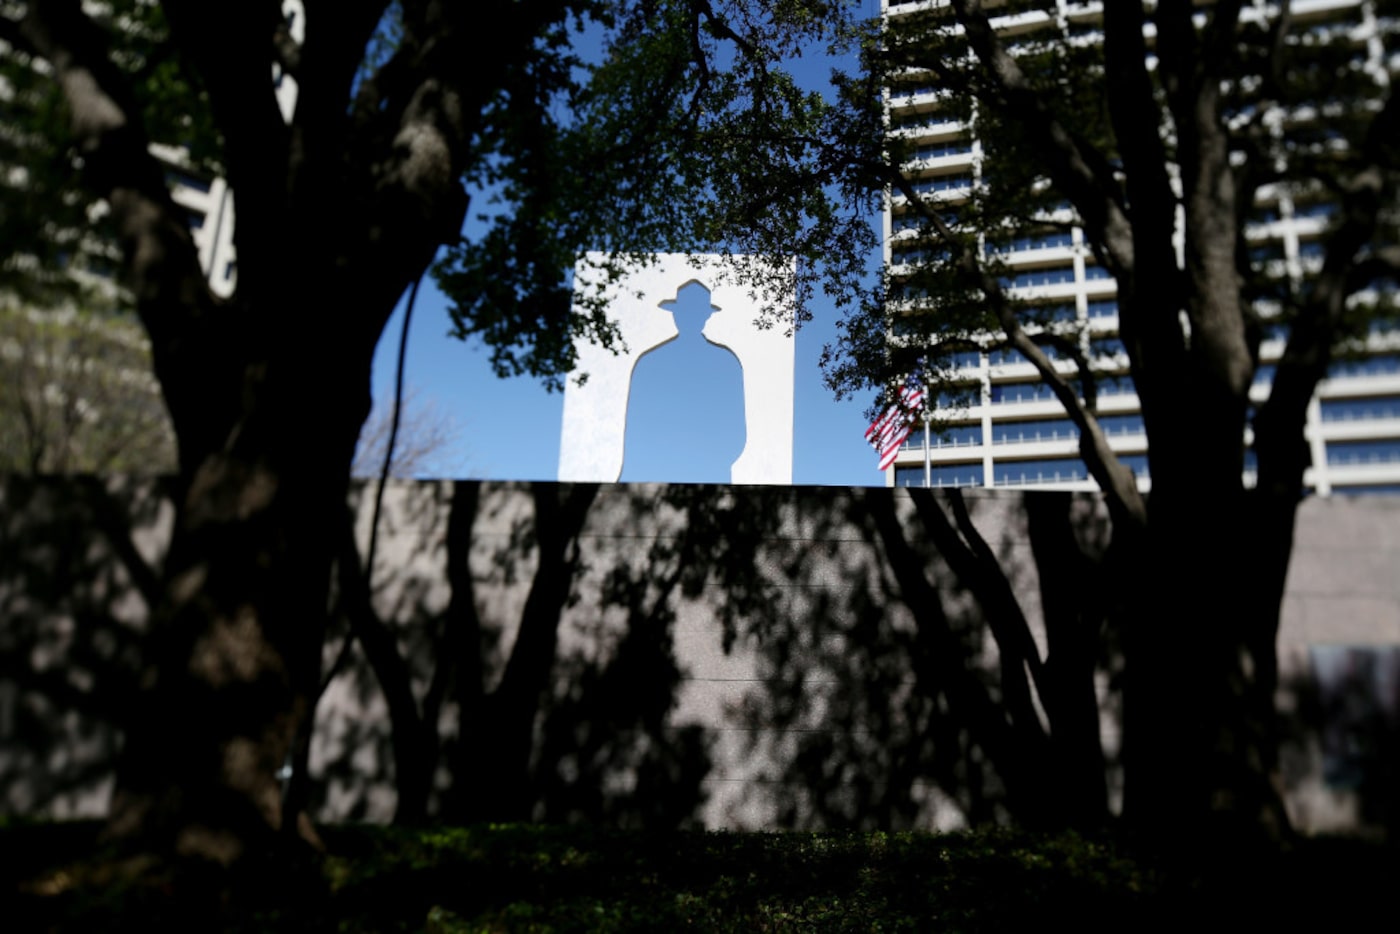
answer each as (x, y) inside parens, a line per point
(1359, 383)
(1340, 477)
(1359, 429)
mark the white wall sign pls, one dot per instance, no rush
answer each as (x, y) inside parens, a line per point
(595, 414)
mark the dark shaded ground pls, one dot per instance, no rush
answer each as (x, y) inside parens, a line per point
(531, 878)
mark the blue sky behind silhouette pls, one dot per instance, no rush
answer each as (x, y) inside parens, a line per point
(508, 429)
(685, 410)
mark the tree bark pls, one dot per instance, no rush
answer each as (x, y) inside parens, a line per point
(1199, 716)
(267, 392)
(237, 637)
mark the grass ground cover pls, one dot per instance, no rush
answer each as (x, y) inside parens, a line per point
(531, 878)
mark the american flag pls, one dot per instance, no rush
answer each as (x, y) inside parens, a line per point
(888, 431)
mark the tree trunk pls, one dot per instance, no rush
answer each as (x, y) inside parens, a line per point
(1201, 671)
(496, 736)
(237, 635)
(1074, 595)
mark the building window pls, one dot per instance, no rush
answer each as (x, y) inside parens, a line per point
(941, 150)
(1046, 314)
(1360, 410)
(918, 253)
(1312, 249)
(942, 475)
(1028, 432)
(1011, 393)
(1382, 365)
(1115, 386)
(958, 396)
(957, 182)
(909, 476)
(1045, 241)
(958, 436)
(1054, 275)
(1321, 210)
(1036, 472)
(1358, 453)
(1107, 347)
(946, 475)
(1122, 426)
(1010, 356)
(917, 119)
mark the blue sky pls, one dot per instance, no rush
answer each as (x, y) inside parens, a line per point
(508, 429)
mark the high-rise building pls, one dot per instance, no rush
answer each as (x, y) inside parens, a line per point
(1014, 433)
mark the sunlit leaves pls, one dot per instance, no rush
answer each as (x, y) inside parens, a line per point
(684, 134)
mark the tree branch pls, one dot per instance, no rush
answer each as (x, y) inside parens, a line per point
(1384, 262)
(1276, 68)
(286, 50)
(1065, 157)
(1148, 322)
(1218, 362)
(233, 53)
(161, 266)
(1115, 479)
(12, 32)
(1278, 428)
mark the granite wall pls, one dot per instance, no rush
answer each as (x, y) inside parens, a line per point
(741, 657)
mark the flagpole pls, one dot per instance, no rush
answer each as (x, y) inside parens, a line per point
(928, 454)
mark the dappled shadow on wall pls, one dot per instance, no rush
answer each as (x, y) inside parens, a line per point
(79, 559)
(515, 655)
(902, 674)
(662, 656)
(1340, 750)
(499, 708)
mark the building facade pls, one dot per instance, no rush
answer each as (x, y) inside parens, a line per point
(1004, 428)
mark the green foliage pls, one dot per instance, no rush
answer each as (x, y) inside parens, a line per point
(1299, 97)
(549, 878)
(686, 135)
(580, 879)
(43, 222)
(53, 239)
(682, 133)
(77, 394)
(929, 310)
(519, 878)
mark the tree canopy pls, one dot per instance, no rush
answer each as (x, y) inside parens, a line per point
(681, 100)
(77, 395)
